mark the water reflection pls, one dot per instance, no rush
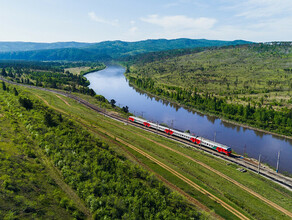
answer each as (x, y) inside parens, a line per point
(259, 134)
(211, 119)
(113, 85)
(229, 125)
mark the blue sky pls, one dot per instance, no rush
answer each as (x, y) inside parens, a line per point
(129, 20)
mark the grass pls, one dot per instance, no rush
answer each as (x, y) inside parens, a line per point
(77, 70)
(212, 205)
(230, 193)
(203, 177)
(27, 189)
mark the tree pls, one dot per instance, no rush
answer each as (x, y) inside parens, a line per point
(91, 92)
(49, 120)
(26, 103)
(60, 117)
(15, 91)
(113, 102)
(126, 109)
(100, 98)
(127, 69)
(3, 72)
(4, 86)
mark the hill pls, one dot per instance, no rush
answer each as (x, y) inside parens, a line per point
(249, 84)
(68, 54)
(120, 48)
(100, 51)
(27, 46)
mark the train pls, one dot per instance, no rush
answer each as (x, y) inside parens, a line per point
(186, 136)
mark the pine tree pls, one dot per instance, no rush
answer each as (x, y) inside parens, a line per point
(15, 91)
(4, 86)
(3, 72)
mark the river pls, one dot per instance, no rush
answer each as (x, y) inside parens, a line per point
(112, 84)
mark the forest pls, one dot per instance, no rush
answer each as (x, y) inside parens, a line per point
(248, 84)
(110, 185)
(49, 74)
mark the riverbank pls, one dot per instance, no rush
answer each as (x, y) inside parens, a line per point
(91, 70)
(248, 157)
(85, 69)
(246, 126)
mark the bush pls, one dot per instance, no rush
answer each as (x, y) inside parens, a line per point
(26, 103)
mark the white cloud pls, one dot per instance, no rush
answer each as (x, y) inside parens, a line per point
(264, 8)
(180, 22)
(133, 30)
(258, 20)
(177, 26)
(95, 18)
(172, 4)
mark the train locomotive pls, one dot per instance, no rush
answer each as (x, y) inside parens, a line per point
(195, 139)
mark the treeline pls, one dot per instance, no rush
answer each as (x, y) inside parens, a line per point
(140, 59)
(55, 66)
(48, 75)
(67, 54)
(18, 65)
(51, 66)
(261, 117)
(111, 186)
(157, 56)
(150, 57)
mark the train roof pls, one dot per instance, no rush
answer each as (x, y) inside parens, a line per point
(187, 134)
(216, 144)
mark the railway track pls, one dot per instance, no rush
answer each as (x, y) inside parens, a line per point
(243, 162)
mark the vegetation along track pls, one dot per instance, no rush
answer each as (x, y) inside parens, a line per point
(172, 171)
(118, 141)
(180, 176)
(272, 204)
(177, 174)
(246, 163)
(123, 120)
(171, 185)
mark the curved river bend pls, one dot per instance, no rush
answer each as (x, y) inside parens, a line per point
(112, 84)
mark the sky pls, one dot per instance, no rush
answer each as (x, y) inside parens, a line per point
(133, 20)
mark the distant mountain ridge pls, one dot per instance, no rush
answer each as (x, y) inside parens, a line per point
(122, 48)
(64, 54)
(28, 46)
(74, 51)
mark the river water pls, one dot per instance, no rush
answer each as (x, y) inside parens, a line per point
(112, 84)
